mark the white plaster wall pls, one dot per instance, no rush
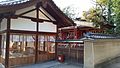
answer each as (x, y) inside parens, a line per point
(106, 50)
(100, 50)
(47, 27)
(41, 15)
(23, 24)
(88, 54)
(24, 10)
(46, 13)
(28, 25)
(33, 13)
(3, 25)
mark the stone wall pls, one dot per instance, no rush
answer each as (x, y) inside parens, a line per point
(99, 51)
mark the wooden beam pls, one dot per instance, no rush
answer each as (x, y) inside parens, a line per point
(56, 44)
(30, 32)
(27, 12)
(34, 19)
(44, 46)
(14, 17)
(7, 44)
(1, 19)
(59, 22)
(37, 20)
(1, 32)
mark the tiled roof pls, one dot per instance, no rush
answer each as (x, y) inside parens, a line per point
(9, 7)
(12, 2)
(100, 36)
(71, 40)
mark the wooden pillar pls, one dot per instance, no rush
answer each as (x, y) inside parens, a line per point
(56, 44)
(7, 44)
(76, 35)
(0, 43)
(37, 29)
(44, 46)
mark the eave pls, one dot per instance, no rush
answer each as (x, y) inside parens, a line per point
(61, 19)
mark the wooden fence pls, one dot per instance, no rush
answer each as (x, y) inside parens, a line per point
(17, 61)
(72, 54)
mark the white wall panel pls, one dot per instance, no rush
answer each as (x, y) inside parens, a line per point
(23, 24)
(47, 27)
(24, 10)
(3, 25)
(28, 25)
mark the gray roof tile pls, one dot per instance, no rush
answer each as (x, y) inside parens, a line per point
(100, 36)
(11, 2)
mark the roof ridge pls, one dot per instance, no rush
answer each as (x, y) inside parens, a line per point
(100, 36)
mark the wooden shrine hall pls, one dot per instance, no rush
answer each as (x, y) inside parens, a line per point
(28, 30)
(70, 43)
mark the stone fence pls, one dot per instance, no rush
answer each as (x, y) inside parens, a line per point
(99, 51)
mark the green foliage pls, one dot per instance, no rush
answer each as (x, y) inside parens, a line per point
(106, 11)
(116, 12)
(69, 11)
(102, 2)
(96, 16)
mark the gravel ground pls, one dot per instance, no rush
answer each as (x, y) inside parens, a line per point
(51, 64)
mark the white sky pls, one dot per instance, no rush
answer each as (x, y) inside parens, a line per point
(79, 5)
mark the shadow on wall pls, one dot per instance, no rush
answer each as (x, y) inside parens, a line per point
(109, 63)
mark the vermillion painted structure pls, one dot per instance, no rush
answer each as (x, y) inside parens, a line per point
(70, 44)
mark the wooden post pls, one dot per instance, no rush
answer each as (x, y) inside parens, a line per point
(7, 44)
(0, 43)
(76, 31)
(44, 46)
(37, 29)
(56, 44)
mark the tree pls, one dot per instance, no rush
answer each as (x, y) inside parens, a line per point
(97, 15)
(92, 16)
(70, 12)
(108, 11)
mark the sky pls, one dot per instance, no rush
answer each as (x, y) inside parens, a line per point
(79, 5)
